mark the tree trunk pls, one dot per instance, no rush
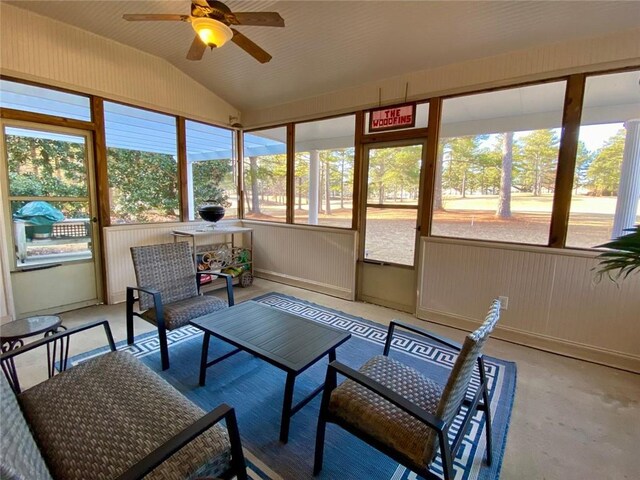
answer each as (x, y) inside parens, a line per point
(464, 185)
(255, 193)
(504, 201)
(299, 193)
(342, 183)
(437, 187)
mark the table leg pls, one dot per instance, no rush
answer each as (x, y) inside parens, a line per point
(332, 355)
(203, 358)
(286, 407)
(64, 352)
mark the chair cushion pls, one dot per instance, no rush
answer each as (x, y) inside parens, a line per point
(368, 412)
(178, 314)
(101, 417)
(20, 458)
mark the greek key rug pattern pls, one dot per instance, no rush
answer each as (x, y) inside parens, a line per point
(469, 464)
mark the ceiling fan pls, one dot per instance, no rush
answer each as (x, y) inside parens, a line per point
(211, 20)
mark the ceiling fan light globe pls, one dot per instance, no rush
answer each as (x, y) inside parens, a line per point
(212, 32)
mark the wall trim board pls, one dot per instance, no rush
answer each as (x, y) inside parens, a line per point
(386, 303)
(567, 348)
(246, 222)
(565, 252)
(327, 289)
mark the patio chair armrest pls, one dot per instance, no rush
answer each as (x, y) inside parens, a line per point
(157, 301)
(58, 336)
(228, 279)
(150, 291)
(420, 331)
(175, 443)
(7, 359)
(388, 394)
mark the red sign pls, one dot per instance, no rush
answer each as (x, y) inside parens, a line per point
(392, 118)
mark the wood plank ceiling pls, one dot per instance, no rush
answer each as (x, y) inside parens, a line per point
(332, 45)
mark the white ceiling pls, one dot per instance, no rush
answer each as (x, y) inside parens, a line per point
(331, 45)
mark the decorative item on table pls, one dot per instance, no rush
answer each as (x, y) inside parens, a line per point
(211, 213)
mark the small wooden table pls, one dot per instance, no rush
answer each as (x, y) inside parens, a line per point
(287, 341)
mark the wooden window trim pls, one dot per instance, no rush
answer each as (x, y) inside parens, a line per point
(571, 117)
(183, 194)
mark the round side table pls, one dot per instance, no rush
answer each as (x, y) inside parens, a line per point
(12, 336)
(13, 333)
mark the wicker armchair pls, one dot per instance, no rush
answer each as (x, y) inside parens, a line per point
(109, 418)
(169, 291)
(404, 414)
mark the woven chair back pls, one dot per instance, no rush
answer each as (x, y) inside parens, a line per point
(168, 268)
(462, 371)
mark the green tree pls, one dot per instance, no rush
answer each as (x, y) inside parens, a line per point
(209, 181)
(603, 174)
(144, 185)
(403, 171)
(538, 161)
(41, 167)
(465, 161)
(584, 157)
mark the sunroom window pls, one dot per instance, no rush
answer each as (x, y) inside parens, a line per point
(606, 187)
(497, 161)
(142, 165)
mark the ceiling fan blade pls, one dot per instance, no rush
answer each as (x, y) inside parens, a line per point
(145, 17)
(197, 49)
(260, 19)
(251, 48)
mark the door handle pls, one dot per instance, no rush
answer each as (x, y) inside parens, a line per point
(94, 219)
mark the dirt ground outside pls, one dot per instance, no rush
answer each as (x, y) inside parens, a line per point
(390, 233)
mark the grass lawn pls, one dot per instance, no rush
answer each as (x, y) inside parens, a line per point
(391, 232)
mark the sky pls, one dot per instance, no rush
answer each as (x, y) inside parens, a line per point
(594, 136)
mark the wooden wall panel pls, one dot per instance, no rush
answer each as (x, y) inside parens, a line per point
(554, 301)
(319, 259)
(315, 258)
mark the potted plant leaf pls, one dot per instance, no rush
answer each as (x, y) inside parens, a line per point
(624, 257)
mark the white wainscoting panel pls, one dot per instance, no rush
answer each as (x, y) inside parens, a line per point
(320, 259)
(554, 301)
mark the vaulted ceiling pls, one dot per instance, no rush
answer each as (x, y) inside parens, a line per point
(331, 45)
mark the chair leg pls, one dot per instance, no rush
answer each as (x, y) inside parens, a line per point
(238, 463)
(130, 301)
(164, 347)
(320, 433)
(487, 409)
(330, 383)
(445, 455)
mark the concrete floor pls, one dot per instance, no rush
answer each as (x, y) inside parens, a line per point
(571, 419)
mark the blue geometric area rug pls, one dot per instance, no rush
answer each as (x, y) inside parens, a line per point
(255, 389)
